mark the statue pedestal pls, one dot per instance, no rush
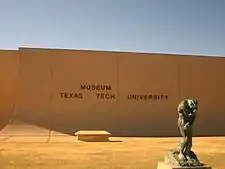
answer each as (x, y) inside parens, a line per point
(173, 161)
(164, 165)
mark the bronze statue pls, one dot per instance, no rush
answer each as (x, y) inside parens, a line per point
(183, 156)
(187, 110)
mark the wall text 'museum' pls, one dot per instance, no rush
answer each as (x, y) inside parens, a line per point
(95, 87)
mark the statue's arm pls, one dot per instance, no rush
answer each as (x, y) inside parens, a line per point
(180, 109)
(181, 116)
(193, 117)
(184, 114)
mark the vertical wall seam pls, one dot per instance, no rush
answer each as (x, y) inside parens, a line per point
(16, 85)
(117, 78)
(179, 80)
(51, 92)
(117, 98)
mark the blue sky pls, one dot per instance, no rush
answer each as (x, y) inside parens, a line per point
(149, 26)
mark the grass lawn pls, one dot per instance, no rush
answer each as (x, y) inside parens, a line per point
(140, 153)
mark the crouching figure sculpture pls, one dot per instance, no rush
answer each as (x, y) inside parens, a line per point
(183, 156)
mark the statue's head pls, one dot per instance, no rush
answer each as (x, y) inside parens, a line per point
(192, 103)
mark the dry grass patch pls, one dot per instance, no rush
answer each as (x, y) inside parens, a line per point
(140, 153)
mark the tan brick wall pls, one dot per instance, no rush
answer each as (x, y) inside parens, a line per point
(204, 79)
(8, 80)
(128, 94)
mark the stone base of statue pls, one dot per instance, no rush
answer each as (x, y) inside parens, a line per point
(174, 158)
(164, 165)
(175, 161)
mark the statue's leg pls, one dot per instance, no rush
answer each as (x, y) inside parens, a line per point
(183, 143)
(181, 128)
(189, 143)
